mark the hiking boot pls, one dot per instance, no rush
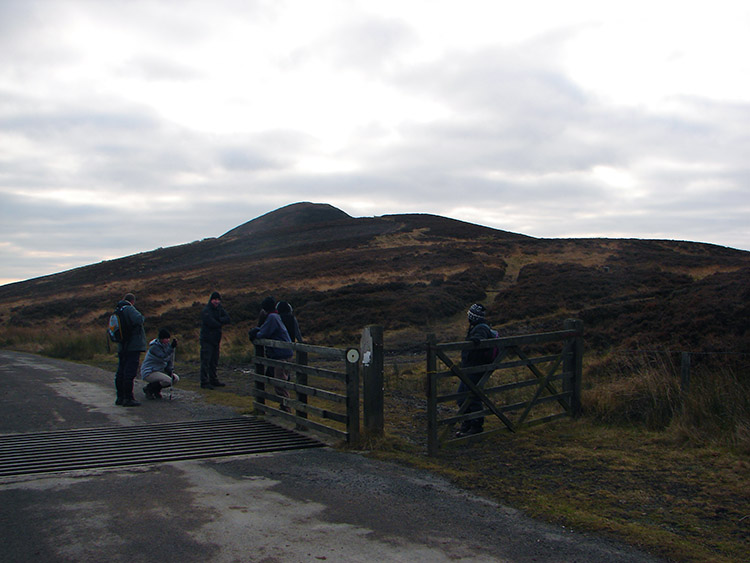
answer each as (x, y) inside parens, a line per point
(465, 426)
(469, 431)
(217, 383)
(130, 403)
(119, 401)
(152, 391)
(206, 386)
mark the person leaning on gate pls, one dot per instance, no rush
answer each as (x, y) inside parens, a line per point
(129, 351)
(268, 305)
(213, 317)
(478, 330)
(286, 313)
(273, 328)
(157, 369)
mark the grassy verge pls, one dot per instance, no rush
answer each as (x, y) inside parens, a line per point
(682, 503)
(647, 464)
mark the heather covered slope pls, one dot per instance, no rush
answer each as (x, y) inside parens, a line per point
(413, 273)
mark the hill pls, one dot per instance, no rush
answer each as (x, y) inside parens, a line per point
(411, 273)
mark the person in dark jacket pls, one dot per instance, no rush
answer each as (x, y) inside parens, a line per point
(157, 369)
(286, 313)
(273, 328)
(478, 330)
(129, 351)
(213, 318)
(268, 305)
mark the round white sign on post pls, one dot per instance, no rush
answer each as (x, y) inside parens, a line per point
(352, 356)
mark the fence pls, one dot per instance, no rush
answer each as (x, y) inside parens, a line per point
(504, 378)
(322, 391)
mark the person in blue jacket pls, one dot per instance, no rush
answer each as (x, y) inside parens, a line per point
(273, 328)
(157, 369)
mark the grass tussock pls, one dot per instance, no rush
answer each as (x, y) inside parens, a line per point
(710, 407)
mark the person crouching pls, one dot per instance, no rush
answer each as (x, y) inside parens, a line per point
(157, 368)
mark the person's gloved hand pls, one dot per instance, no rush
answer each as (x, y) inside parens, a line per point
(253, 333)
(174, 343)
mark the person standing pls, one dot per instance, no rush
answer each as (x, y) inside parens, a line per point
(471, 357)
(286, 313)
(273, 328)
(213, 318)
(129, 351)
(157, 369)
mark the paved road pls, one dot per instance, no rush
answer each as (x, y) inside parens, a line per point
(307, 505)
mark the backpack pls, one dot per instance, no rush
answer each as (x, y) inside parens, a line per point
(116, 328)
(493, 352)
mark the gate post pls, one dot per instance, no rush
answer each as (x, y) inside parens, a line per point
(300, 377)
(431, 388)
(352, 395)
(371, 349)
(574, 365)
(260, 387)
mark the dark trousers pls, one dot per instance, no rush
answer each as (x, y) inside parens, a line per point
(209, 362)
(475, 403)
(127, 370)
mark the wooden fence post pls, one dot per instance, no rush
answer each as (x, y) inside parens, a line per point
(300, 377)
(575, 366)
(371, 350)
(685, 372)
(260, 352)
(352, 394)
(431, 387)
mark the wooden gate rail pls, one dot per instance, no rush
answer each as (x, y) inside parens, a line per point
(564, 367)
(299, 370)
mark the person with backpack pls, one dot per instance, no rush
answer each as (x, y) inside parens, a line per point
(157, 369)
(129, 348)
(273, 328)
(213, 317)
(478, 330)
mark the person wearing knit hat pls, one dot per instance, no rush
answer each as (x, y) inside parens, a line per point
(213, 317)
(477, 313)
(478, 330)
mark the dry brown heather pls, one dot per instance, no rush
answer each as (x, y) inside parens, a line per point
(414, 273)
(646, 463)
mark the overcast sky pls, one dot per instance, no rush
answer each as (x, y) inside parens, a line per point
(130, 125)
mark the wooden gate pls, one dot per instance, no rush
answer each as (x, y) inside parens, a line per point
(323, 389)
(532, 375)
(329, 403)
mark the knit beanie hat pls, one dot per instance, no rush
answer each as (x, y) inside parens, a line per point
(283, 307)
(476, 313)
(164, 333)
(215, 295)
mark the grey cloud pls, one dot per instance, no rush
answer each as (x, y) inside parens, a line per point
(368, 45)
(159, 69)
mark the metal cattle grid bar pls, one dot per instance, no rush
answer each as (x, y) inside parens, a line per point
(93, 448)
